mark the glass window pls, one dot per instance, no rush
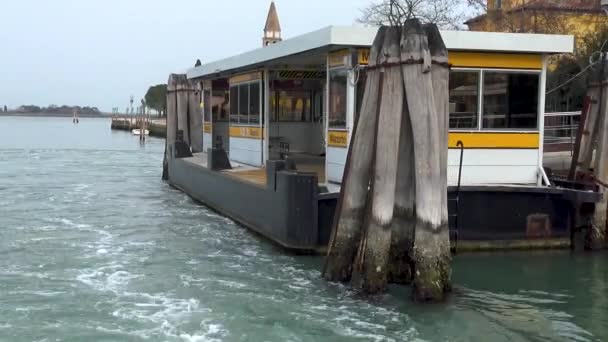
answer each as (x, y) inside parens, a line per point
(234, 104)
(254, 103)
(220, 105)
(337, 99)
(207, 105)
(244, 104)
(510, 100)
(464, 99)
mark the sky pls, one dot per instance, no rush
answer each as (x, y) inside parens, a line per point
(99, 52)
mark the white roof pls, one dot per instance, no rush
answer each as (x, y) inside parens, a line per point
(360, 36)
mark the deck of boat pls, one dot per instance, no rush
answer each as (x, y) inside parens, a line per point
(257, 175)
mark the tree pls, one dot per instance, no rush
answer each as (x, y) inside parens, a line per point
(447, 14)
(156, 98)
(566, 90)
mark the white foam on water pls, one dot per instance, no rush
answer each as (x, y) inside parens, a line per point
(166, 314)
(250, 252)
(107, 278)
(211, 332)
(46, 228)
(39, 293)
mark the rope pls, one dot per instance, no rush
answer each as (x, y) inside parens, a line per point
(572, 78)
(407, 62)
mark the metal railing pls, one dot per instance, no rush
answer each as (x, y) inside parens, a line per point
(560, 130)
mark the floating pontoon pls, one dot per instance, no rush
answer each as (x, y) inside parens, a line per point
(283, 115)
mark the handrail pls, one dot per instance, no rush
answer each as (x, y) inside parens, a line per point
(460, 144)
(544, 176)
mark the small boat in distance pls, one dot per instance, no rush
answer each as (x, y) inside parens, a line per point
(137, 131)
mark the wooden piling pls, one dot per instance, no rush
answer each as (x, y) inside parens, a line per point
(371, 265)
(600, 225)
(590, 131)
(183, 122)
(196, 119)
(171, 126)
(354, 191)
(393, 204)
(440, 74)
(431, 237)
(401, 264)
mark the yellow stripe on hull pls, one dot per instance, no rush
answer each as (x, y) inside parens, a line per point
(246, 132)
(495, 140)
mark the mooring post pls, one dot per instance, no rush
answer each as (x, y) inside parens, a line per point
(600, 225)
(195, 118)
(371, 265)
(431, 238)
(183, 123)
(350, 210)
(171, 126)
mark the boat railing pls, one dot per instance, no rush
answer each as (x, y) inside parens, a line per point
(560, 131)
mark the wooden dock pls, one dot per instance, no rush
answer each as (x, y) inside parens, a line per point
(156, 126)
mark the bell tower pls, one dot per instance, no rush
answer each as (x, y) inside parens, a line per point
(272, 29)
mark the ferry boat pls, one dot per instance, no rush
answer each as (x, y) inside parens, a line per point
(277, 123)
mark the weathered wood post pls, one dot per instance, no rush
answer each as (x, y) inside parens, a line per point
(440, 73)
(196, 118)
(599, 234)
(354, 192)
(590, 131)
(401, 263)
(431, 238)
(171, 125)
(183, 123)
(371, 265)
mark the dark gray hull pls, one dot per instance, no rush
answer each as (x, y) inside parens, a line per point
(290, 211)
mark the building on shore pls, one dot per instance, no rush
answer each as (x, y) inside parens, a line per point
(576, 17)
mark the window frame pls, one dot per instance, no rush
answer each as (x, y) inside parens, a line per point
(237, 111)
(480, 109)
(342, 71)
(479, 98)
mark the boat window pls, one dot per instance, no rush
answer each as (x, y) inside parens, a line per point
(254, 103)
(337, 98)
(244, 104)
(234, 104)
(220, 105)
(510, 100)
(464, 99)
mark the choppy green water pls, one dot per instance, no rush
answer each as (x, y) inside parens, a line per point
(94, 247)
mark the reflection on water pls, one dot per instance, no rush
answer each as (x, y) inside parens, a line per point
(95, 247)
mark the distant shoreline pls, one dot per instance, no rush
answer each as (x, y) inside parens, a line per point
(55, 115)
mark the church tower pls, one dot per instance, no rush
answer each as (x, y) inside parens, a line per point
(272, 30)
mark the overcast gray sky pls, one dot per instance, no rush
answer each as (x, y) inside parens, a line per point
(98, 52)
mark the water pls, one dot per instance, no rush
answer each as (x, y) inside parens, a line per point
(94, 247)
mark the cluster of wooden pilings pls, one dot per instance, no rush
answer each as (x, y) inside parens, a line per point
(391, 224)
(591, 153)
(184, 116)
